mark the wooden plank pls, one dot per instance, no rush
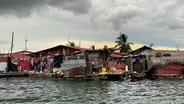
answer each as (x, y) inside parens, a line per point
(14, 74)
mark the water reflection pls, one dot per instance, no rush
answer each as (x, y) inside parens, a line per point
(35, 90)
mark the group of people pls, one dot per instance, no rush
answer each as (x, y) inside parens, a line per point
(35, 64)
(42, 65)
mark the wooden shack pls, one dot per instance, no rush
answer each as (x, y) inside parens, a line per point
(116, 60)
(84, 63)
(137, 60)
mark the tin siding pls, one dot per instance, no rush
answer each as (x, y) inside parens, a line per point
(169, 69)
(75, 71)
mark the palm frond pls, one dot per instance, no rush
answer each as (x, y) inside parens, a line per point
(121, 43)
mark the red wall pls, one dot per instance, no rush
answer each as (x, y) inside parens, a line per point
(75, 71)
(25, 64)
(115, 64)
(170, 69)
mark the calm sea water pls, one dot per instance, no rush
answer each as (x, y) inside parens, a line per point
(56, 91)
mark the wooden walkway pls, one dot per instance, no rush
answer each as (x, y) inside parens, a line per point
(13, 74)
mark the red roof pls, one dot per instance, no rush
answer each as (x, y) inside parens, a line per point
(19, 56)
(78, 48)
(116, 54)
(3, 59)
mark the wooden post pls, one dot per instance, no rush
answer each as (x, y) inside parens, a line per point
(131, 60)
(144, 64)
(40, 62)
(87, 65)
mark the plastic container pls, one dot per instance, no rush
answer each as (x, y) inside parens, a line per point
(104, 69)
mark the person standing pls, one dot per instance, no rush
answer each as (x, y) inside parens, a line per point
(57, 64)
(9, 65)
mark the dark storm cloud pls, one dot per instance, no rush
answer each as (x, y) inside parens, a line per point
(166, 14)
(122, 15)
(76, 6)
(23, 8)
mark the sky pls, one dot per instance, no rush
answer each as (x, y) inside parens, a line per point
(48, 23)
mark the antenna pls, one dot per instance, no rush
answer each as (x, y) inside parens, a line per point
(12, 42)
(151, 45)
(68, 38)
(177, 47)
(79, 43)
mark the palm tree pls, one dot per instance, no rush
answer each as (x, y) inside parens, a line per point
(122, 44)
(71, 44)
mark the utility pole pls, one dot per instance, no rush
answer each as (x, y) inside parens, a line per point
(12, 42)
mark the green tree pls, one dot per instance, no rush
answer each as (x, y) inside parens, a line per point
(122, 45)
(71, 44)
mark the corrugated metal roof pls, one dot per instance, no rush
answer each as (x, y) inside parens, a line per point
(138, 51)
(76, 48)
(19, 56)
(116, 54)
